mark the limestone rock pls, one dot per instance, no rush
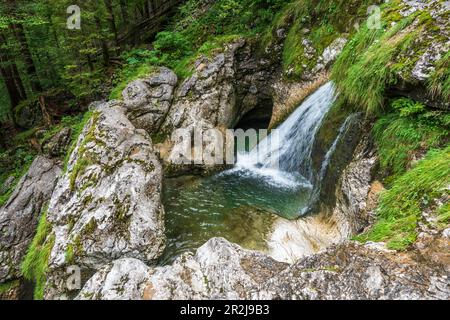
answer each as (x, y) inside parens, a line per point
(57, 145)
(352, 271)
(107, 205)
(19, 216)
(123, 279)
(219, 270)
(148, 100)
(330, 54)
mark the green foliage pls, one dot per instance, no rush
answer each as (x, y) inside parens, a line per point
(409, 129)
(15, 163)
(374, 60)
(5, 287)
(401, 206)
(171, 46)
(318, 22)
(243, 17)
(440, 79)
(363, 70)
(35, 263)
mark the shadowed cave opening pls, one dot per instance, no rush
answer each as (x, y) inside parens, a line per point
(259, 117)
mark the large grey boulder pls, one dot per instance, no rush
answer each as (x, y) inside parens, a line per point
(19, 216)
(123, 279)
(148, 100)
(107, 205)
(222, 270)
(218, 270)
(207, 99)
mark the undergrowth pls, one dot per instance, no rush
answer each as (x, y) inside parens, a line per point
(375, 59)
(199, 29)
(408, 130)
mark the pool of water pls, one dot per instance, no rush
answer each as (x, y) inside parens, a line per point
(238, 205)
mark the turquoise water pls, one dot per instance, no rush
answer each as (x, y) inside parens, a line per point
(237, 206)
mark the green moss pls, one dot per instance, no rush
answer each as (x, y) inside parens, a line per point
(35, 263)
(90, 227)
(85, 159)
(69, 256)
(77, 128)
(79, 167)
(401, 206)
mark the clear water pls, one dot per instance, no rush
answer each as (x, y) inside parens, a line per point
(233, 205)
(241, 204)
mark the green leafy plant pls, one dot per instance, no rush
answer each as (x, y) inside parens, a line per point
(401, 206)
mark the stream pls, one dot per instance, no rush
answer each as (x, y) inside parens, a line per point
(273, 180)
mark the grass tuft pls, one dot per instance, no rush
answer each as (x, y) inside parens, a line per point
(401, 206)
(35, 263)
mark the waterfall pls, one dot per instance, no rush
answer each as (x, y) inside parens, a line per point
(284, 157)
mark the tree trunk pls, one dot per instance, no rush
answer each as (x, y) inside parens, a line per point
(11, 76)
(18, 81)
(146, 10)
(111, 20)
(124, 13)
(28, 59)
(105, 50)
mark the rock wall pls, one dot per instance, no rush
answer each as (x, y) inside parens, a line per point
(19, 216)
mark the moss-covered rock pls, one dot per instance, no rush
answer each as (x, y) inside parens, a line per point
(107, 204)
(403, 57)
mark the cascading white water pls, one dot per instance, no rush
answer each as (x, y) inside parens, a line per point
(284, 157)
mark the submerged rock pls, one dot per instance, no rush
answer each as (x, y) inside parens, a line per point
(108, 204)
(19, 216)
